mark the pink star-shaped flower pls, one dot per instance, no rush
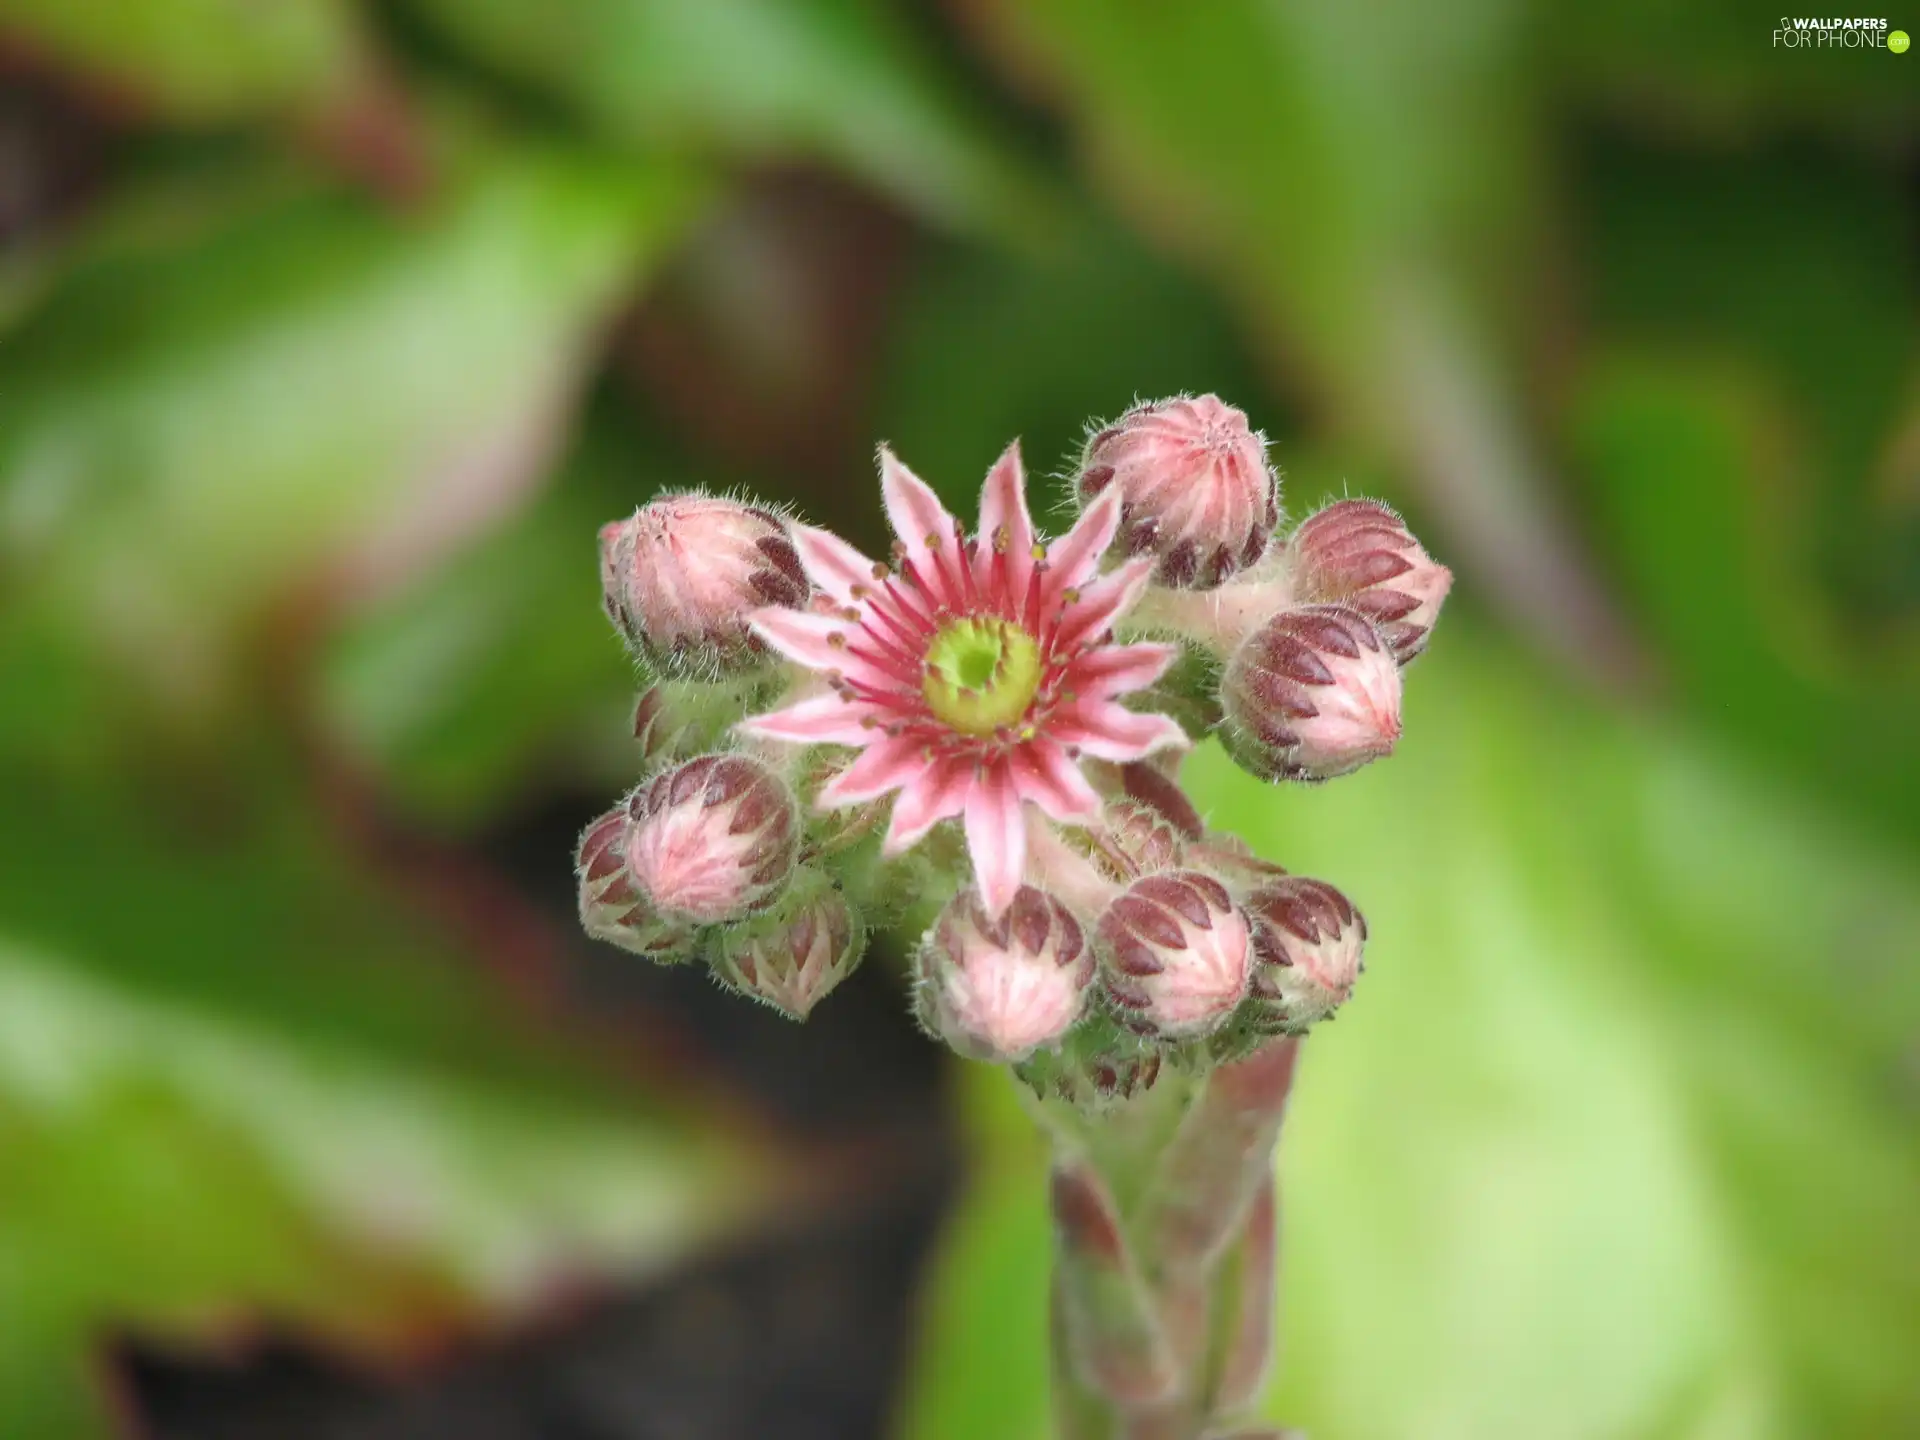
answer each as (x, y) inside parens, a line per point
(973, 676)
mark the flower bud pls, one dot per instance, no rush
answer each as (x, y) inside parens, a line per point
(795, 956)
(1361, 554)
(612, 906)
(1176, 952)
(713, 839)
(1197, 489)
(682, 572)
(1312, 694)
(1132, 839)
(1307, 943)
(999, 990)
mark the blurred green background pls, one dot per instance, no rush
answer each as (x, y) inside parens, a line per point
(330, 330)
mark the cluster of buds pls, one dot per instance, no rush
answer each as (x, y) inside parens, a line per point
(975, 743)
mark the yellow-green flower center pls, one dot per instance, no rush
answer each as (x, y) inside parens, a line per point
(981, 674)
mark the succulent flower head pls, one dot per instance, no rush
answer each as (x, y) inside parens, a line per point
(1176, 952)
(797, 955)
(680, 574)
(612, 906)
(1308, 939)
(972, 675)
(1195, 486)
(1313, 693)
(712, 839)
(1361, 554)
(999, 989)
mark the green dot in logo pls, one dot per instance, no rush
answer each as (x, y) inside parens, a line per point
(1897, 41)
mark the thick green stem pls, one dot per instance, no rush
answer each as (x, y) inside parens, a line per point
(1108, 1316)
(1164, 1219)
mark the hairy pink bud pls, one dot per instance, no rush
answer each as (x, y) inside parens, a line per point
(797, 955)
(1308, 939)
(612, 906)
(713, 839)
(1001, 989)
(1361, 554)
(1312, 694)
(1196, 487)
(1176, 951)
(682, 572)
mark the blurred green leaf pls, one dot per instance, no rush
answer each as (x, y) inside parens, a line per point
(1040, 340)
(456, 689)
(231, 891)
(254, 1090)
(318, 388)
(1617, 1137)
(984, 1347)
(1717, 67)
(201, 60)
(1696, 486)
(839, 80)
(1793, 266)
(170, 1171)
(1315, 155)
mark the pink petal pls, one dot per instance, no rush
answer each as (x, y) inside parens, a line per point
(890, 763)
(833, 565)
(1118, 669)
(1003, 504)
(1073, 558)
(930, 534)
(925, 801)
(1104, 601)
(996, 840)
(823, 720)
(913, 510)
(803, 638)
(1044, 774)
(810, 640)
(1111, 732)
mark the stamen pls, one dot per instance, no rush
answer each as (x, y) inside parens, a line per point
(969, 582)
(887, 658)
(1031, 611)
(906, 638)
(937, 560)
(899, 596)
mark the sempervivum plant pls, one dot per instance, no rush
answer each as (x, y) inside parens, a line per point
(974, 743)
